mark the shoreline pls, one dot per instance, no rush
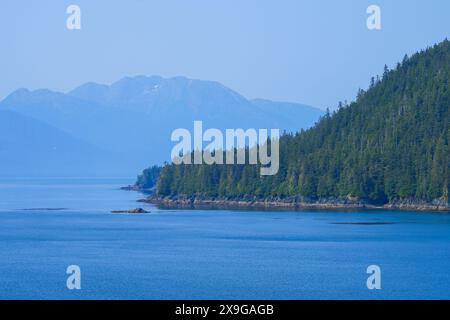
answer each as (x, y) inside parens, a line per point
(289, 204)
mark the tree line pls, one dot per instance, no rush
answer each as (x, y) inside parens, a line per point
(391, 143)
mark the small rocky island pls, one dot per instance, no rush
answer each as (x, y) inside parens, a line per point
(136, 211)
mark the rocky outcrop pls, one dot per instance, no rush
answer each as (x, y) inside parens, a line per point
(290, 203)
(138, 188)
(138, 210)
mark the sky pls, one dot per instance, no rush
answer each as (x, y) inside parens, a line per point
(316, 52)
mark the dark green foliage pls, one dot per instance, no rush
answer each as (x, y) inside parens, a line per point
(391, 143)
(148, 178)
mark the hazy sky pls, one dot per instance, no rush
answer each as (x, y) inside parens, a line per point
(316, 52)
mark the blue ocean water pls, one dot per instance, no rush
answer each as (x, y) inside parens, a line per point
(181, 254)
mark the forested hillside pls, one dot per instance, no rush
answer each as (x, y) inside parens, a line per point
(392, 143)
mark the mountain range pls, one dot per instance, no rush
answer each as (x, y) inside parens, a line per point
(119, 129)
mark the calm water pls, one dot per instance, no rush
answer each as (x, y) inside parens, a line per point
(209, 254)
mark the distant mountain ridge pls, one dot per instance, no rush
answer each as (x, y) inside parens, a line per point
(194, 99)
(132, 119)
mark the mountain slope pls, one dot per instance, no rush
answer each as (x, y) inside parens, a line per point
(181, 101)
(29, 147)
(390, 146)
(124, 133)
(288, 113)
(134, 117)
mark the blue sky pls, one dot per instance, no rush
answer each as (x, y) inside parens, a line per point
(315, 52)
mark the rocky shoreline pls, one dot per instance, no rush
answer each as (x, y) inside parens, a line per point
(292, 203)
(138, 189)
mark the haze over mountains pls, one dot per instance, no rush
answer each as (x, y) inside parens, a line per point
(35, 148)
(124, 127)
